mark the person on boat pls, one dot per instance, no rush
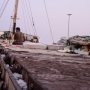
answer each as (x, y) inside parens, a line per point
(18, 37)
(35, 39)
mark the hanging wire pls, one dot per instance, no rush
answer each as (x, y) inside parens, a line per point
(4, 8)
(11, 18)
(32, 17)
(48, 21)
(10, 35)
(2, 5)
(26, 15)
(9, 30)
(10, 24)
(29, 17)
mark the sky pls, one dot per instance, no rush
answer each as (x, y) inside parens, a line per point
(57, 13)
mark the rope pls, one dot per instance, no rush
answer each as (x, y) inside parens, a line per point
(4, 8)
(10, 35)
(11, 18)
(2, 5)
(29, 17)
(32, 17)
(9, 30)
(48, 21)
(10, 24)
(26, 14)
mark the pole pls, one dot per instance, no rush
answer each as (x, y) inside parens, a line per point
(15, 16)
(68, 23)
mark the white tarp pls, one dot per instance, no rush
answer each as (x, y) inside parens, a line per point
(55, 47)
(1, 32)
(30, 45)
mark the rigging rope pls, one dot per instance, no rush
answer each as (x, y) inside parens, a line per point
(26, 14)
(2, 5)
(29, 14)
(10, 24)
(4, 8)
(48, 21)
(32, 17)
(11, 18)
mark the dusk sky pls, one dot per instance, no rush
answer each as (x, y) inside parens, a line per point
(57, 12)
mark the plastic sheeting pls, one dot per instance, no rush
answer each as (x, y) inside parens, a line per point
(30, 45)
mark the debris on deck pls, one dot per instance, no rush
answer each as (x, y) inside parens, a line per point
(76, 44)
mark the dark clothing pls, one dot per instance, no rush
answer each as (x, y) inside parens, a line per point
(17, 43)
(19, 38)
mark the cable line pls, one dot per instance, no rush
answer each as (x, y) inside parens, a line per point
(48, 21)
(11, 18)
(4, 8)
(2, 5)
(26, 14)
(32, 17)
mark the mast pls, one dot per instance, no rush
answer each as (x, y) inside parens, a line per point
(15, 15)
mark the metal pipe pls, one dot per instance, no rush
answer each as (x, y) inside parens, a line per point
(68, 23)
